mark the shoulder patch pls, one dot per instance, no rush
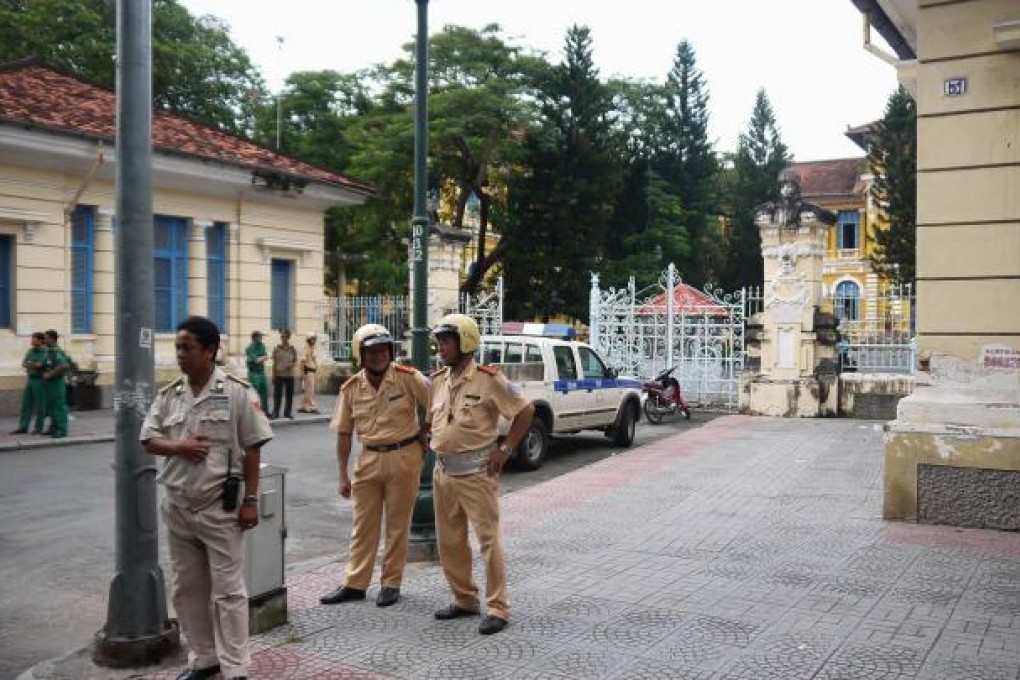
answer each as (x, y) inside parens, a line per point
(238, 380)
(350, 382)
(172, 385)
(401, 368)
(489, 370)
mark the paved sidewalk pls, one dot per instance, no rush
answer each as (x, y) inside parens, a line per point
(88, 427)
(748, 548)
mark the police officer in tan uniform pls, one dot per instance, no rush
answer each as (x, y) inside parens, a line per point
(210, 427)
(467, 401)
(380, 403)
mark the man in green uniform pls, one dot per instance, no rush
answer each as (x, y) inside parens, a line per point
(55, 366)
(256, 357)
(33, 398)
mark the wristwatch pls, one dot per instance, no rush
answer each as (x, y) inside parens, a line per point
(503, 448)
(251, 498)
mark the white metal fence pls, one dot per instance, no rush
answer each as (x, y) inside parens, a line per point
(877, 330)
(342, 316)
(668, 324)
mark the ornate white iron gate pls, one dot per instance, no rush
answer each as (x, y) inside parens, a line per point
(486, 308)
(670, 324)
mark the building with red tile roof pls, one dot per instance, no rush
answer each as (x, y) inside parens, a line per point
(238, 228)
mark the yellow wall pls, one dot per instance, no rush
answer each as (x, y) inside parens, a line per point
(41, 278)
(968, 185)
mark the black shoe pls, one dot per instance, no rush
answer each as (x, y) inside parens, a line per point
(199, 673)
(387, 597)
(452, 611)
(342, 594)
(289, 417)
(491, 625)
(275, 416)
(20, 430)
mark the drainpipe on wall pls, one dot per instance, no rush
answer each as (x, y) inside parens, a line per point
(68, 227)
(906, 69)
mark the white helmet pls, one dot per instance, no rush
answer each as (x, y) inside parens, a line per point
(370, 335)
(462, 326)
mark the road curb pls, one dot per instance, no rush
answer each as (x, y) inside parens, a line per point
(71, 440)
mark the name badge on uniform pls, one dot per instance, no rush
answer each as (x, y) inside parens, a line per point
(394, 397)
(473, 397)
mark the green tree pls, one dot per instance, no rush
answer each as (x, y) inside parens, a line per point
(561, 204)
(683, 157)
(196, 69)
(761, 155)
(893, 160)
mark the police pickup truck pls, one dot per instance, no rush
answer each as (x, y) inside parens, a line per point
(571, 387)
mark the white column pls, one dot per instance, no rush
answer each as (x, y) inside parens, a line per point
(198, 291)
(103, 321)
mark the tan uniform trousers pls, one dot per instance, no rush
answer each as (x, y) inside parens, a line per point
(383, 483)
(475, 499)
(207, 555)
(308, 392)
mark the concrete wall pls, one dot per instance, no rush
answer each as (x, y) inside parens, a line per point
(872, 395)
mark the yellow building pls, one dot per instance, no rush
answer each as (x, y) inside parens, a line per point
(953, 452)
(238, 229)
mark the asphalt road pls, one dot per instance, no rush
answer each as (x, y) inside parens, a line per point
(56, 527)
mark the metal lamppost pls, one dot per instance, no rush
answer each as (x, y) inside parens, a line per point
(423, 522)
(137, 631)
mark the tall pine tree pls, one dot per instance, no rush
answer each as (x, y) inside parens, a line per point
(560, 208)
(761, 156)
(686, 162)
(893, 160)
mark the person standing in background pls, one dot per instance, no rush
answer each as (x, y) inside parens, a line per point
(284, 363)
(256, 357)
(309, 367)
(55, 366)
(34, 398)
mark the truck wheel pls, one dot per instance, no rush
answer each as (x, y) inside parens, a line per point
(533, 447)
(623, 433)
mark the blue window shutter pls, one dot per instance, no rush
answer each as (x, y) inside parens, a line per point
(216, 274)
(849, 222)
(180, 271)
(6, 281)
(170, 268)
(82, 268)
(281, 277)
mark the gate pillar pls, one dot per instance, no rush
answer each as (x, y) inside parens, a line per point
(796, 374)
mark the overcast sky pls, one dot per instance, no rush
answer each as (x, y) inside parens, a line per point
(807, 54)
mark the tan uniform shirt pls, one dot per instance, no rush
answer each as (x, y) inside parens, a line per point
(284, 361)
(227, 412)
(466, 408)
(384, 416)
(309, 362)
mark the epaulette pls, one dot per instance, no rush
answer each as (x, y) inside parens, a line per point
(349, 383)
(489, 370)
(236, 379)
(176, 383)
(436, 374)
(405, 369)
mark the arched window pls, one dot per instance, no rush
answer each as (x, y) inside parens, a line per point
(847, 302)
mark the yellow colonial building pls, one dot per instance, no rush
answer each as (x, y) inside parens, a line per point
(238, 228)
(953, 453)
(865, 302)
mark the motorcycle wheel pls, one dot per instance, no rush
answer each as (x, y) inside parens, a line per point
(653, 410)
(687, 413)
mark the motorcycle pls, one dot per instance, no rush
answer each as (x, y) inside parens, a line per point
(664, 398)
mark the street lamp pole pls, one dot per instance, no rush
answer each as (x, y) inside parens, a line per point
(137, 631)
(423, 523)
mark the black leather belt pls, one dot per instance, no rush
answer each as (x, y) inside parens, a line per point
(383, 448)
